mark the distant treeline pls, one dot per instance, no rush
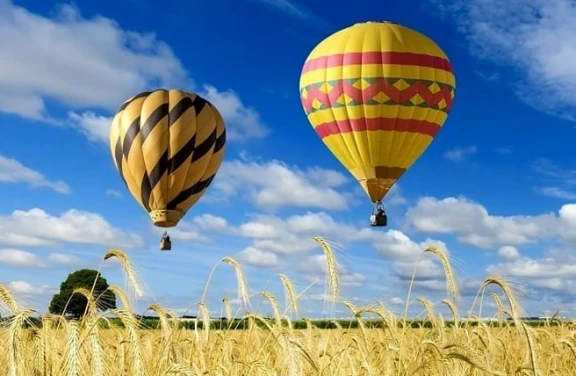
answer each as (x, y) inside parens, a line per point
(152, 322)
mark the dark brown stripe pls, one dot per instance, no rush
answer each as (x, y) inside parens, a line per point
(187, 193)
(220, 142)
(131, 134)
(387, 172)
(118, 156)
(124, 105)
(153, 120)
(159, 170)
(177, 111)
(182, 155)
(205, 147)
(166, 165)
(145, 192)
(199, 104)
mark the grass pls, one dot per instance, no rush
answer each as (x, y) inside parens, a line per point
(381, 344)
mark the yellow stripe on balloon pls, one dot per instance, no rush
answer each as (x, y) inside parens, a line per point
(375, 111)
(377, 70)
(375, 36)
(398, 154)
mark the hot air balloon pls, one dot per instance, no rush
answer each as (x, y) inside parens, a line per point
(377, 93)
(167, 146)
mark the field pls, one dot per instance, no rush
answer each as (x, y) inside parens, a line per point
(254, 345)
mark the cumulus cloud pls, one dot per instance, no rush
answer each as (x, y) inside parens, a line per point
(246, 122)
(396, 300)
(273, 184)
(554, 271)
(16, 257)
(113, 193)
(534, 38)
(23, 288)
(508, 252)
(315, 268)
(64, 259)
(36, 227)
(199, 228)
(12, 171)
(258, 257)
(472, 224)
(459, 154)
(396, 245)
(287, 242)
(75, 61)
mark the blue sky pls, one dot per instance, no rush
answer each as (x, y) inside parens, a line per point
(496, 189)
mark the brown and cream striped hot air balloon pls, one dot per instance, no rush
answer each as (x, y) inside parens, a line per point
(167, 146)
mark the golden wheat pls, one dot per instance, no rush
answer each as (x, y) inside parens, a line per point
(95, 346)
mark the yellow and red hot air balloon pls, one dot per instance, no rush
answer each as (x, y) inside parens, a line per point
(377, 93)
(167, 146)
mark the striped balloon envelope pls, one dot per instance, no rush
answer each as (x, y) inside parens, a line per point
(377, 93)
(167, 146)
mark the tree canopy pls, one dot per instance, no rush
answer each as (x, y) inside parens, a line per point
(83, 278)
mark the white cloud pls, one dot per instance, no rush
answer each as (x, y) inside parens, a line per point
(285, 242)
(555, 270)
(113, 193)
(94, 127)
(396, 300)
(64, 259)
(211, 222)
(427, 270)
(534, 38)
(245, 121)
(273, 184)
(396, 245)
(315, 268)
(12, 171)
(508, 252)
(36, 227)
(473, 225)
(459, 154)
(257, 257)
(394, 196)
(198, 228)
(76, 61)
(557, 192)
(352, 280)
(23, 288)
(16, 257)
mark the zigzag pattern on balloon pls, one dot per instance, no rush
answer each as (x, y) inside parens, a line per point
(377, 91)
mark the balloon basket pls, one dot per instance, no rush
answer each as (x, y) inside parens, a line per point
(165, 243)
(379, 217)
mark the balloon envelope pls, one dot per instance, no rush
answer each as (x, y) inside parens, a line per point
(167, 146)
(377, 93)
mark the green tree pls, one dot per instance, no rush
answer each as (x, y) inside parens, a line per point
(83, 278)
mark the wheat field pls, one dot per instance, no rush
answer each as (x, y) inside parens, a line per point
(273, 346)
